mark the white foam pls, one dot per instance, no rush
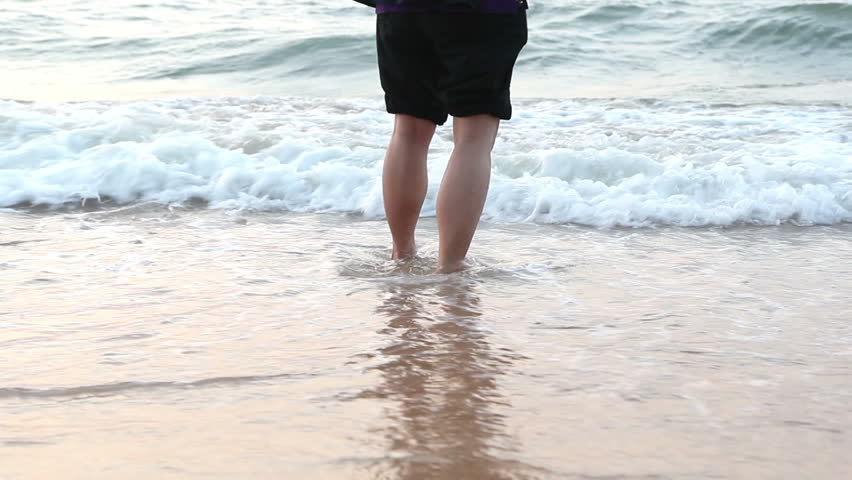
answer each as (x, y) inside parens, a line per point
(594, 163)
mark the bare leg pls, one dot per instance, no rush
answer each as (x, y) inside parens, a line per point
(464, 188)
(404, 180)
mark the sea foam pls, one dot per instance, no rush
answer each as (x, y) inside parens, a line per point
(598, 163)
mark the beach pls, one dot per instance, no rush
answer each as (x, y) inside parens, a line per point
(199, 343)
(195, 272)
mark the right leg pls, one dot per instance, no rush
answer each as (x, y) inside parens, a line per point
(464, 188)
(477, 55)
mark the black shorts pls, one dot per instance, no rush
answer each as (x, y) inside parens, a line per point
(434, 64)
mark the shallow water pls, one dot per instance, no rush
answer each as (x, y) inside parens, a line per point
(146, 342)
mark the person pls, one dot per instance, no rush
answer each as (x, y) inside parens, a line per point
(438, 58)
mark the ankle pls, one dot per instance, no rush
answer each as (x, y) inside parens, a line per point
(450, 267)
(401, 253)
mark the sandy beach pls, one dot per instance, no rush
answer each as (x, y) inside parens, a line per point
(172, 343)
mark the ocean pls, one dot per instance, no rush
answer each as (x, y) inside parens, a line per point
(195, 273)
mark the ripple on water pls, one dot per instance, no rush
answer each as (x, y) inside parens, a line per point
(111, 389)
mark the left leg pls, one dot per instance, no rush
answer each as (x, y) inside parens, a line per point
(404, 180)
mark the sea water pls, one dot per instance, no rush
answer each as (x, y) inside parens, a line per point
(195, 275)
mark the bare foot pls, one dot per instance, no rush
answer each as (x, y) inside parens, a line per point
(404, 253)
(451, 268)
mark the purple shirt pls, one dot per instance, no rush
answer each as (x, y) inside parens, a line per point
(485, 6)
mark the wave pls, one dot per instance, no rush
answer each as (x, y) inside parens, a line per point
(610, 13)
(576, 48)
(308, 56)
(596, 163)
(806, 27)
(835, 11)
(803, 29)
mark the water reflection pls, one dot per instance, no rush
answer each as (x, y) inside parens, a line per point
(441, 372)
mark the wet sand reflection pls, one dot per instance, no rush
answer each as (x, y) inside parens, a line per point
(442, 374)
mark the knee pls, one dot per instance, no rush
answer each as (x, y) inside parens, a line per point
(413, 130)
(475, 130)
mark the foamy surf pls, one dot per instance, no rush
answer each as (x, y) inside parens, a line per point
(600, 163)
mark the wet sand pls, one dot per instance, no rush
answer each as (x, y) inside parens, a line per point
(173, 344)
